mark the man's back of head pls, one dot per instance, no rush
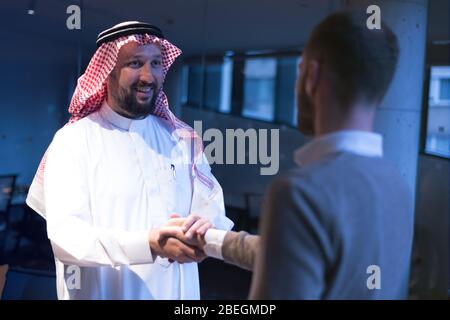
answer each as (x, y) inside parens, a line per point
(361, 62)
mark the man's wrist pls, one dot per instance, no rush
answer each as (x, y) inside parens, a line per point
(153, 242)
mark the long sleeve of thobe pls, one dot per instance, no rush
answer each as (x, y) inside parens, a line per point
(73, 239)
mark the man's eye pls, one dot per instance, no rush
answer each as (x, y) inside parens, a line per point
(135, 64)
(156, 63)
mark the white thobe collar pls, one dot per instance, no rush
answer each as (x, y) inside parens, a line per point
(362, 143)
(118, 120)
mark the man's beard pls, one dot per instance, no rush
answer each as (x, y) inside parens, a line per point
(305, 110)
(129, 107)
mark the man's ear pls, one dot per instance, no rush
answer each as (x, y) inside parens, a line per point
(312, 77)
(113, 74)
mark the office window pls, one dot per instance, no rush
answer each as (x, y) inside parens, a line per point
(444, 89)
(438, 124)
(194, 85)
(285, 100)
(225, 85)
(212, 85)
(264, 87)
(259, 88)
(208, 86)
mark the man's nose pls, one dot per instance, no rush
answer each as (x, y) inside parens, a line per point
(146, 73)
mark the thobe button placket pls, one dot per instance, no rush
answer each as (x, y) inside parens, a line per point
(145, 161)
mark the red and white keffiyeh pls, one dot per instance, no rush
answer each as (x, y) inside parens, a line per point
(91, 92)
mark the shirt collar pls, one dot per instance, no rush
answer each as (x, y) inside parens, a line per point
(116, 119)
(362, 143)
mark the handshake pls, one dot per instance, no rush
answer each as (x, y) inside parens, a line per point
(180, 239)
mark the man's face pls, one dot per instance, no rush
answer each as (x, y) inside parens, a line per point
(136, 80)
(305, 105)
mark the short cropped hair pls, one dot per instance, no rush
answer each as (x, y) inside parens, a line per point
(363, 61)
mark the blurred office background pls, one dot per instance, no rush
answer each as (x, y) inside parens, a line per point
(238, 70)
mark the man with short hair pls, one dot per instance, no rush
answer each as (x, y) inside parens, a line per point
(113, 176)
(340, 225)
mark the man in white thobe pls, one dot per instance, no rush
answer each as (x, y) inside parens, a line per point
(117, 173)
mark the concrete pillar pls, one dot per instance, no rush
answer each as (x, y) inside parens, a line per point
(398, 118)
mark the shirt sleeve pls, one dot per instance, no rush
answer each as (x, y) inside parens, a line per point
(74, 238)
(214, 241)
(292, 260)
(237, 248)
(240, 249)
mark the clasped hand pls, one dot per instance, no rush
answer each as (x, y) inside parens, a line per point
(180, 239)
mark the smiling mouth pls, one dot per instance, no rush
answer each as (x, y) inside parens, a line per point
(144, 89)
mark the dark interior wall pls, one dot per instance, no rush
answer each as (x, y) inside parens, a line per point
(430, 272)
(36, 83)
